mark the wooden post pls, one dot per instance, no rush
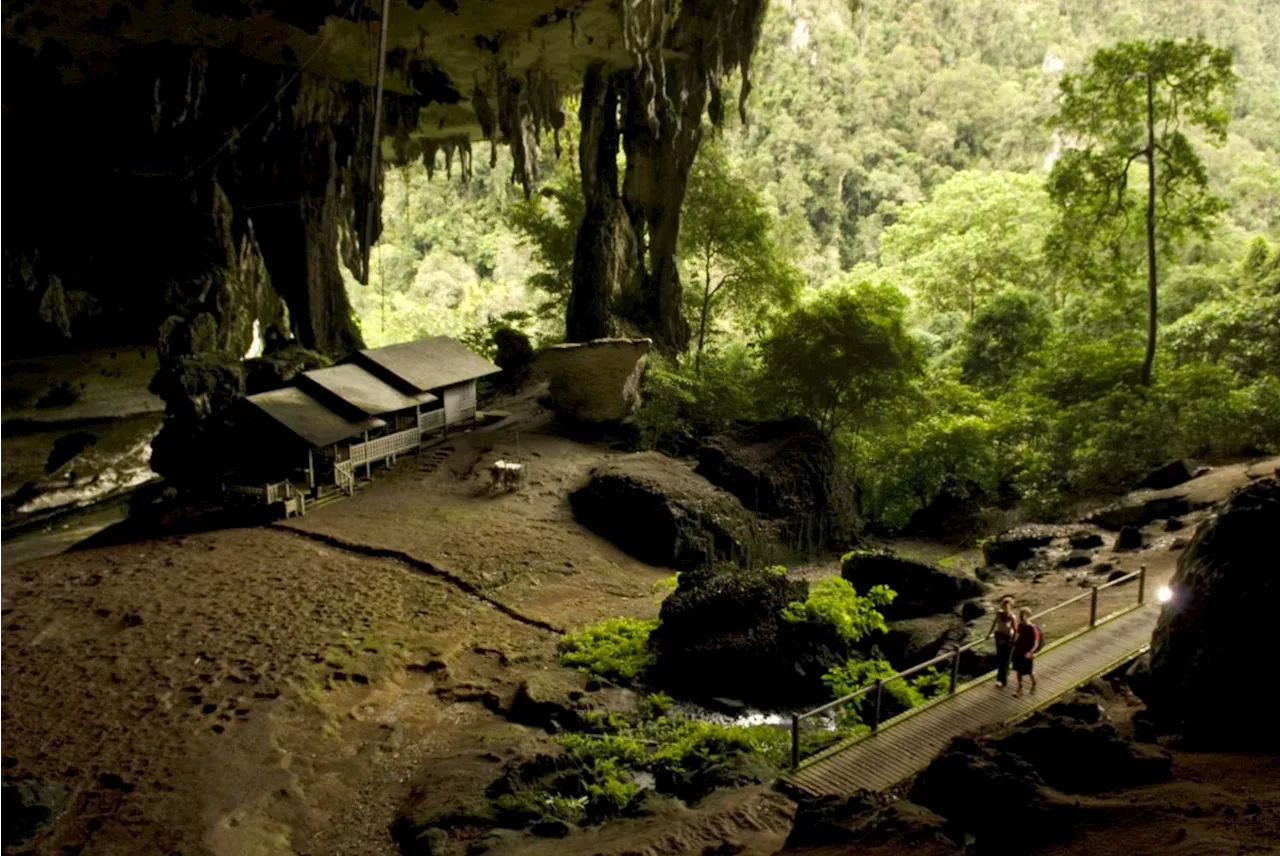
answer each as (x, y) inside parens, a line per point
(795, 741)
(368, 462)
(1142, 584)
(311, 469)
(1093, 608)
(955, 670)
(875, 716)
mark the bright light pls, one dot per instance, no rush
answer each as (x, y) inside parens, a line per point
(1164, 594)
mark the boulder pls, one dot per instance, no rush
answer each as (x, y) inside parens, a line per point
(1075, 559)
(1218, 624)
(1170, 475)
(1085, 541)
(984, 791)
(785, 470)
(722, 634)
(658, 510)
(1138, 511)
(596, 381)
(1078, 757)
(1017, 545)
(1130, 538)
(29, 805)
(972, 610)
(922, 589)
(1174, 524)
(914, 640)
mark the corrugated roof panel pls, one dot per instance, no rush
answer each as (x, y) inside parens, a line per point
(429, 363)
(307, 418)
(361, 389)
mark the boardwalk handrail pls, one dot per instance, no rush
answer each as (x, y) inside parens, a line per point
(954, 657)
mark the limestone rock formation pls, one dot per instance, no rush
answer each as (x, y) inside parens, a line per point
(984, 791)
(922, 589)
(722, 634)
(1218, 624)
(1021, 543)
(914, 640)
(659, 511)
(1078, 757)
(1139, 510)
(1171, 474)
(785, 470)
(596, 381)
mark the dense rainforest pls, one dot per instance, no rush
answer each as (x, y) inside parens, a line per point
(918, 242)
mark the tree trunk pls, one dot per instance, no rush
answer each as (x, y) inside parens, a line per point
(1150, 357)
(702, 322)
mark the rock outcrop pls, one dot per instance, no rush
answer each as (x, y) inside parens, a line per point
(833, 825)
(922, 589)
(1020, 544)
(914, 640)
(722, 634)
(1138, 510)
(1078, 757)
(596, 381)
(1170, 475)
(1219, 625)
(785, 470)
(658, 510)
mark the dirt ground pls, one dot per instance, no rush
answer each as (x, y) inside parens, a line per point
(279, 690)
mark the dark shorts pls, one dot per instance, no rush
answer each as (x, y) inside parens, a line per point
(1022, 664)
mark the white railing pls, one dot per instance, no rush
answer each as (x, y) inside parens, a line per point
(268, 493)
(432, 420)
(342, 477)
(384, 447)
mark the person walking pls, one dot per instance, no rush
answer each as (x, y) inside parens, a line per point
(1004, 626)
(1025, 646)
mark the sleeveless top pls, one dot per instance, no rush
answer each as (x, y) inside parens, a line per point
(1005, 625)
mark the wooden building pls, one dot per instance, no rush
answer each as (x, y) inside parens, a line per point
(314, 437)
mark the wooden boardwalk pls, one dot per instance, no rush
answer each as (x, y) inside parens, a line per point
(906, 745)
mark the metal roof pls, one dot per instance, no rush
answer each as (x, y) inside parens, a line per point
(307, 418)
(429, 363)
(364, 391)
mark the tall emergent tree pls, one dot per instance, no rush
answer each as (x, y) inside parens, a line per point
(1134, 101)
(730, 259)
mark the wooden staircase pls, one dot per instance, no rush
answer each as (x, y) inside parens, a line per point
(433, 458)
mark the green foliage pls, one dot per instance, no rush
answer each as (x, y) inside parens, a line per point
(681, 404)
(731, 260)
(979, 234)
(834, 602)
(899, 695)
(1133, 101)
(840, 354)
(1004, 332)
(616, 648)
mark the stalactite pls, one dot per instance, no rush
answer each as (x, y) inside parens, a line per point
(681, 53)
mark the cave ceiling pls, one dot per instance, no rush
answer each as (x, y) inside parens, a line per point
(439, 52)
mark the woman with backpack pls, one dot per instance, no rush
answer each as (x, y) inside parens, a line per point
(1025, 645)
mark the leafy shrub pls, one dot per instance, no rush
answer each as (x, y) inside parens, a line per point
(680, 404)
(899, 695)
(616, 648)
(834, 602)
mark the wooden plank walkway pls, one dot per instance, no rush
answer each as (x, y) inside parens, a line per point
(904, 746)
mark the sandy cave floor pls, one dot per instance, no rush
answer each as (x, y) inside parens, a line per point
(255, 691)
